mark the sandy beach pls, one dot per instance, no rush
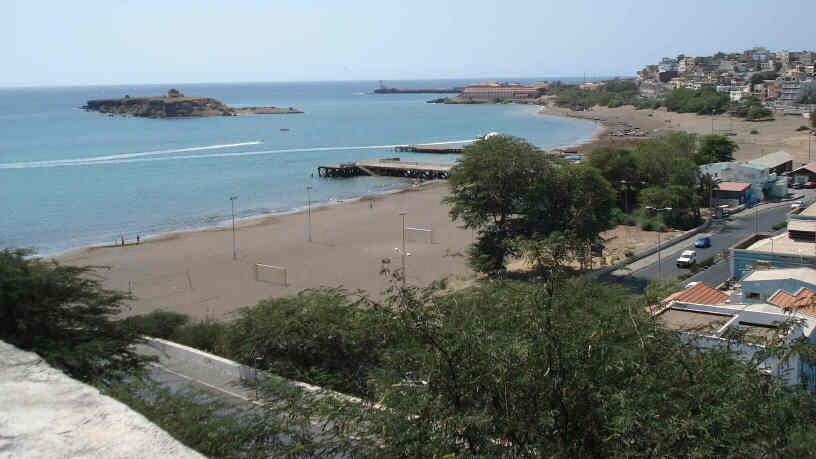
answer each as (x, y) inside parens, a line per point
(194, 272)
(772, 136)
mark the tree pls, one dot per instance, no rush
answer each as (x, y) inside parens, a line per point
(715, 149)
(567, 367)
(707, 186)
(505, 188)
(807, 94)
(63, 314)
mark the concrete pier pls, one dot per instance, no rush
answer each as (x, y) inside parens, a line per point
(390, 167)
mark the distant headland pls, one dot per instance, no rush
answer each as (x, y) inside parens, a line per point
(177, 105)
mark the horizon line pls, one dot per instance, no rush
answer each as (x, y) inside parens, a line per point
(87, 85)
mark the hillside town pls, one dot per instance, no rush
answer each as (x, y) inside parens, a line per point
(776, 78)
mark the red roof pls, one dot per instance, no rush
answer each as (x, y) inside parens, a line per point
(699, 293)
(733, 186)
(809, 167)
(802, 302)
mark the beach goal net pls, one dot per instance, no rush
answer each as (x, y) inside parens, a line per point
(270, 274)
(423, 235)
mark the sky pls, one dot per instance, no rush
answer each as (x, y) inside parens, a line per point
(89, 42)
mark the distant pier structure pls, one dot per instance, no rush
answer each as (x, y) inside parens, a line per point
(437, 149)
(390, 167)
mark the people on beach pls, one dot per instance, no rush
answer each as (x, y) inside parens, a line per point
(137, 239)
(123, 240)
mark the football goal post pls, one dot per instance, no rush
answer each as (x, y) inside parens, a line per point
(424, 235)
(270, 274)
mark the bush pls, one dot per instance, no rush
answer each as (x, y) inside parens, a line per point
(780, 225)
(754, 131)
(158, 324)
(206, 335)
(802, 128)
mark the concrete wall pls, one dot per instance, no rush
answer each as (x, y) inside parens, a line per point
(743, 261)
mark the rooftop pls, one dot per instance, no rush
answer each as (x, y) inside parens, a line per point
(802, 301)
(698, 294)
(801, 274)
(784, 245)
(696, 321)
(810, 211)
(773, 159)
(809, 167)
(733, 186)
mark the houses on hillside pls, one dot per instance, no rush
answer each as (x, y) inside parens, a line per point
(763, 175)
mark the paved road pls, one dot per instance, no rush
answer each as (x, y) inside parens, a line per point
(723, 233)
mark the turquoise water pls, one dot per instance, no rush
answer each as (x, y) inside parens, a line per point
(70, 178)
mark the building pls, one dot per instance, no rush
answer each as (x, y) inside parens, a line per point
(745, 330)
(742, 172)
(500, 92)
(802, 301)
(793, 249)
(699, 293)
(762, 285)
(731, 194)
(777, 163)
(790, 91)
(806, 173)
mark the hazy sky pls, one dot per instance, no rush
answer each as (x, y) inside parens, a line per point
(84, 42)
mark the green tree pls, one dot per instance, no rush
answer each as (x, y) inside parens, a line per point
(566, 367)
(715, 149)
(505, 188)
(807, 94)
(63, 314)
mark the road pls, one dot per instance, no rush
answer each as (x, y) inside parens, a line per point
(723, 233)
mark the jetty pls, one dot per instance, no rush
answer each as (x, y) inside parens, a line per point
(436, 149)
(390, 167)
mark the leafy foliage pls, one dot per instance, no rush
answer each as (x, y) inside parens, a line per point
(568, 367)
(703, 101)
(715, 149)
(204, 423)
(317, 336)
(63, 314)
(505, 188)
(750, 108)
(807, 94)
(612, 93)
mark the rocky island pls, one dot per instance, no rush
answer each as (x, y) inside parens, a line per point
(177, 105)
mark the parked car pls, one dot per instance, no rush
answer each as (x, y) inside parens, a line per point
(687, 259)
(797, 205)
(809, 185)
(703, 242)
(797, 186)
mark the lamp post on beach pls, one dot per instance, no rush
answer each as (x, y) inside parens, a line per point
(402, 252)
(309, 212)
(659, 265)
(234, 246)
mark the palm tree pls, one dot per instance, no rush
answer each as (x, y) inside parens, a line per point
(707, 186)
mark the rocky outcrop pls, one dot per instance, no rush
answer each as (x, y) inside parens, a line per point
(176, 105)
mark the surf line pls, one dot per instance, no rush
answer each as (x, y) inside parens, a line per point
(153, 156)
(68, 162)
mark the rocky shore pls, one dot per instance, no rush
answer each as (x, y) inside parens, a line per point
(177, 105)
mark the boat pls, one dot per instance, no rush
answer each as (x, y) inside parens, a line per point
(284, 129)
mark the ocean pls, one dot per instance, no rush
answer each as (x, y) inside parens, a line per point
(71, 178)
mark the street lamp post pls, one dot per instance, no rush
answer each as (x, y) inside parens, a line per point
(309, 212)
(403, 253)
(659, 264)
(234, 246)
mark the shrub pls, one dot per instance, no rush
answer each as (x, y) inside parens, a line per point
(754, 131)
(158, 324)
(780, 225)
(802, 128)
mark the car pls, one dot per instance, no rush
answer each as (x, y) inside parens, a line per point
(703, 242)
(797, 186)
(687, 259)
(797, 205)
(809, 185)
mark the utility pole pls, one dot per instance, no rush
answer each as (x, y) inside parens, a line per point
(659, 264)
(309, 212)
(234, 246)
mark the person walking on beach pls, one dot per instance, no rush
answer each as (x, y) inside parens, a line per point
(137, 239)
(123, 240)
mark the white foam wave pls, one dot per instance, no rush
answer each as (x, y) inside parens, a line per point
(108, 158)
(153, 156)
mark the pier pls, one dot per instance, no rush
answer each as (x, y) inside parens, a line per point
(390, 167)
(436, 149)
